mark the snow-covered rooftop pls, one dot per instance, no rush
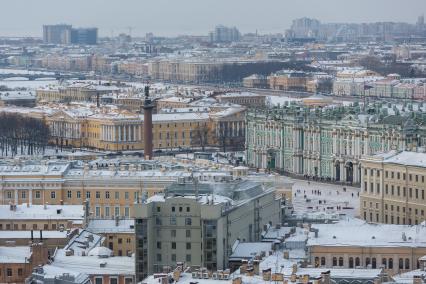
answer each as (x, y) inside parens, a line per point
(15, 254)
(355, 232)
(100, 226)
(41, 212)
(91, 265)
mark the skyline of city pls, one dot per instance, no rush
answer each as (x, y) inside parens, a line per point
(145, 17)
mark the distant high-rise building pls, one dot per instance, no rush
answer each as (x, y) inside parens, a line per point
(57, 34)
(66, 34)
(305, 28)
(224, 34)
(421, 21)
(84, 36)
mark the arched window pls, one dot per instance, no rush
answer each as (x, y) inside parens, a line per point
(401, 263)
(334, 261)
(367, 261)
(351, 262)
(322, 261)
(407, 263)
(340, 261)
(384, 263)
(316, 263)
(390, 264)
(357, 262)
(373, 262)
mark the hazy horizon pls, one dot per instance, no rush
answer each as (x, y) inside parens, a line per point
(195, 17)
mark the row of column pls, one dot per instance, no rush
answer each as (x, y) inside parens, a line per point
(121, 133)
(232, 128)
(65, 129)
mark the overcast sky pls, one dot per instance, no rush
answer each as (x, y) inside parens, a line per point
(173, 17)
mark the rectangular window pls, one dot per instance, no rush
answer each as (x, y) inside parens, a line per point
(78, 194)
(113, 280)
(23, 194)
(98, 280)
(173, 220)
(69, 194)
(9, 272)
(117, 211)
(188, 245)
(158, 257)
(127, 212)
(107, 194)
(173, 257)
(98, 211)
(188, 258)
(173, 245)
(117, 195)
(188, 221)
(87, 194)
(53, 194)
(106, 211)
(37, 194)
(126, 195)
(188, 233)
(173, 233)
(98, 194)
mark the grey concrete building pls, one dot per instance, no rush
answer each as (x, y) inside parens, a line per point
(198, 223)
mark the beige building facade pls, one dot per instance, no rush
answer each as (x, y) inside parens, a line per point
(393, 188)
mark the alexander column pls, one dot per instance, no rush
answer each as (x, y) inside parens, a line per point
(147, 125)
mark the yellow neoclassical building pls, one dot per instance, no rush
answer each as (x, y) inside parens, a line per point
(394, 188)
(354, 243)
(111, 186)
(109, 128)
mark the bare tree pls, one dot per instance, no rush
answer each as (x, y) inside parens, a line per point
(200, 137)
(22, 135)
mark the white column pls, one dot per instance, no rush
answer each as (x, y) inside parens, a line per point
(133, 133)
(119, 133)
(16, 196)
(30, 196)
